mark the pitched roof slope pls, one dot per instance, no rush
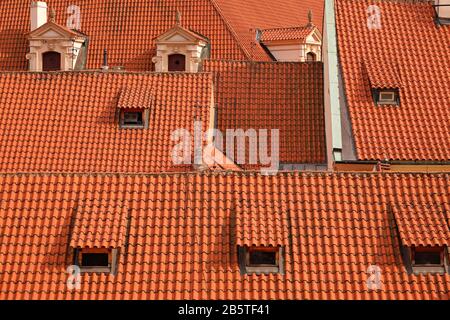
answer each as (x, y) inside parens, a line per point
(69, 122)
(291, 33)
(126, 28)
(247, 16)
(182, 235)
(275, 95)
(410, 42)
(422, 224)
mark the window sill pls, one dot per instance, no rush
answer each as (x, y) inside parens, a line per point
(124, 126)
(262, 270)
(95, 269)
(428, 269)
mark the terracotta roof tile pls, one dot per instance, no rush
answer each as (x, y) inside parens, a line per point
(181, 235)
(246, 16)
(282, 95)
(286, 33)
(422, 224)
(135, 98)
(408, 48)
(77, 129)
(128, 30)
(99, 225)
(124, 27)
(261, 222)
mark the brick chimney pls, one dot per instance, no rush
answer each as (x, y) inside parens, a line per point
(38, 14)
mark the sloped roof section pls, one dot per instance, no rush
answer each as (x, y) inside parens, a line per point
(127, 29)
(410, 42)
(261, 222)
(69, 121)
(384, 75)
(182, 230)
(292, 33)
(284, 95)
(422, 224)
(246, 16)
(99, 225)
(137, 97)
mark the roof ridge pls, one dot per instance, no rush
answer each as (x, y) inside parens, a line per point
(230, 28)
(223, 173)
(289, 27)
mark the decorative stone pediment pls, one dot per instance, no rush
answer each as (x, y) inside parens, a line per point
(59, 42)
(185, 46)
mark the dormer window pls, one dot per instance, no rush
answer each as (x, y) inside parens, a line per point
(387, 96)
(310, 57)
(424, 237)
(180, 50)
(428, 259)
(53, 47)
(261, 259)
(51, 61)
(177, 63)
(96, 260)
(134, 119)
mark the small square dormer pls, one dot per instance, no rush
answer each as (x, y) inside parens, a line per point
(180, 50)
(52, 47)
(98, 235)
(423, 234)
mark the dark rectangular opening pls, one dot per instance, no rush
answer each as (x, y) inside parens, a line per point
(263, 258)
(94, 260)
(133, 119)
(427, 258)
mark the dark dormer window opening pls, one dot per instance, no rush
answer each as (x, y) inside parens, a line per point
(51, 61)
(96, 260)
(177, 63)
(134, 119)
(386, 96)
(261, 259)
(428, 256)
(310, 57)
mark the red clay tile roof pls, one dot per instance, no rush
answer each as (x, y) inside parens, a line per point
(422, 224)
(138, 97)
(247, 16)
(261, 222)
(99, 225)
(182, 236)
(128, 28)
(281, 95)
(383, 75)
(292, 33)
(68, 122)
(419, 128)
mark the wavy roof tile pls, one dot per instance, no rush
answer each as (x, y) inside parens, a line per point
(292, 33)
(408, 48)
(128, 28)
(275, 95)
(422, 224)
(96, 224)
(182, 235)
(69, 122)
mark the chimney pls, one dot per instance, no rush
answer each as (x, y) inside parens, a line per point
(105, 66)
(38, 14)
